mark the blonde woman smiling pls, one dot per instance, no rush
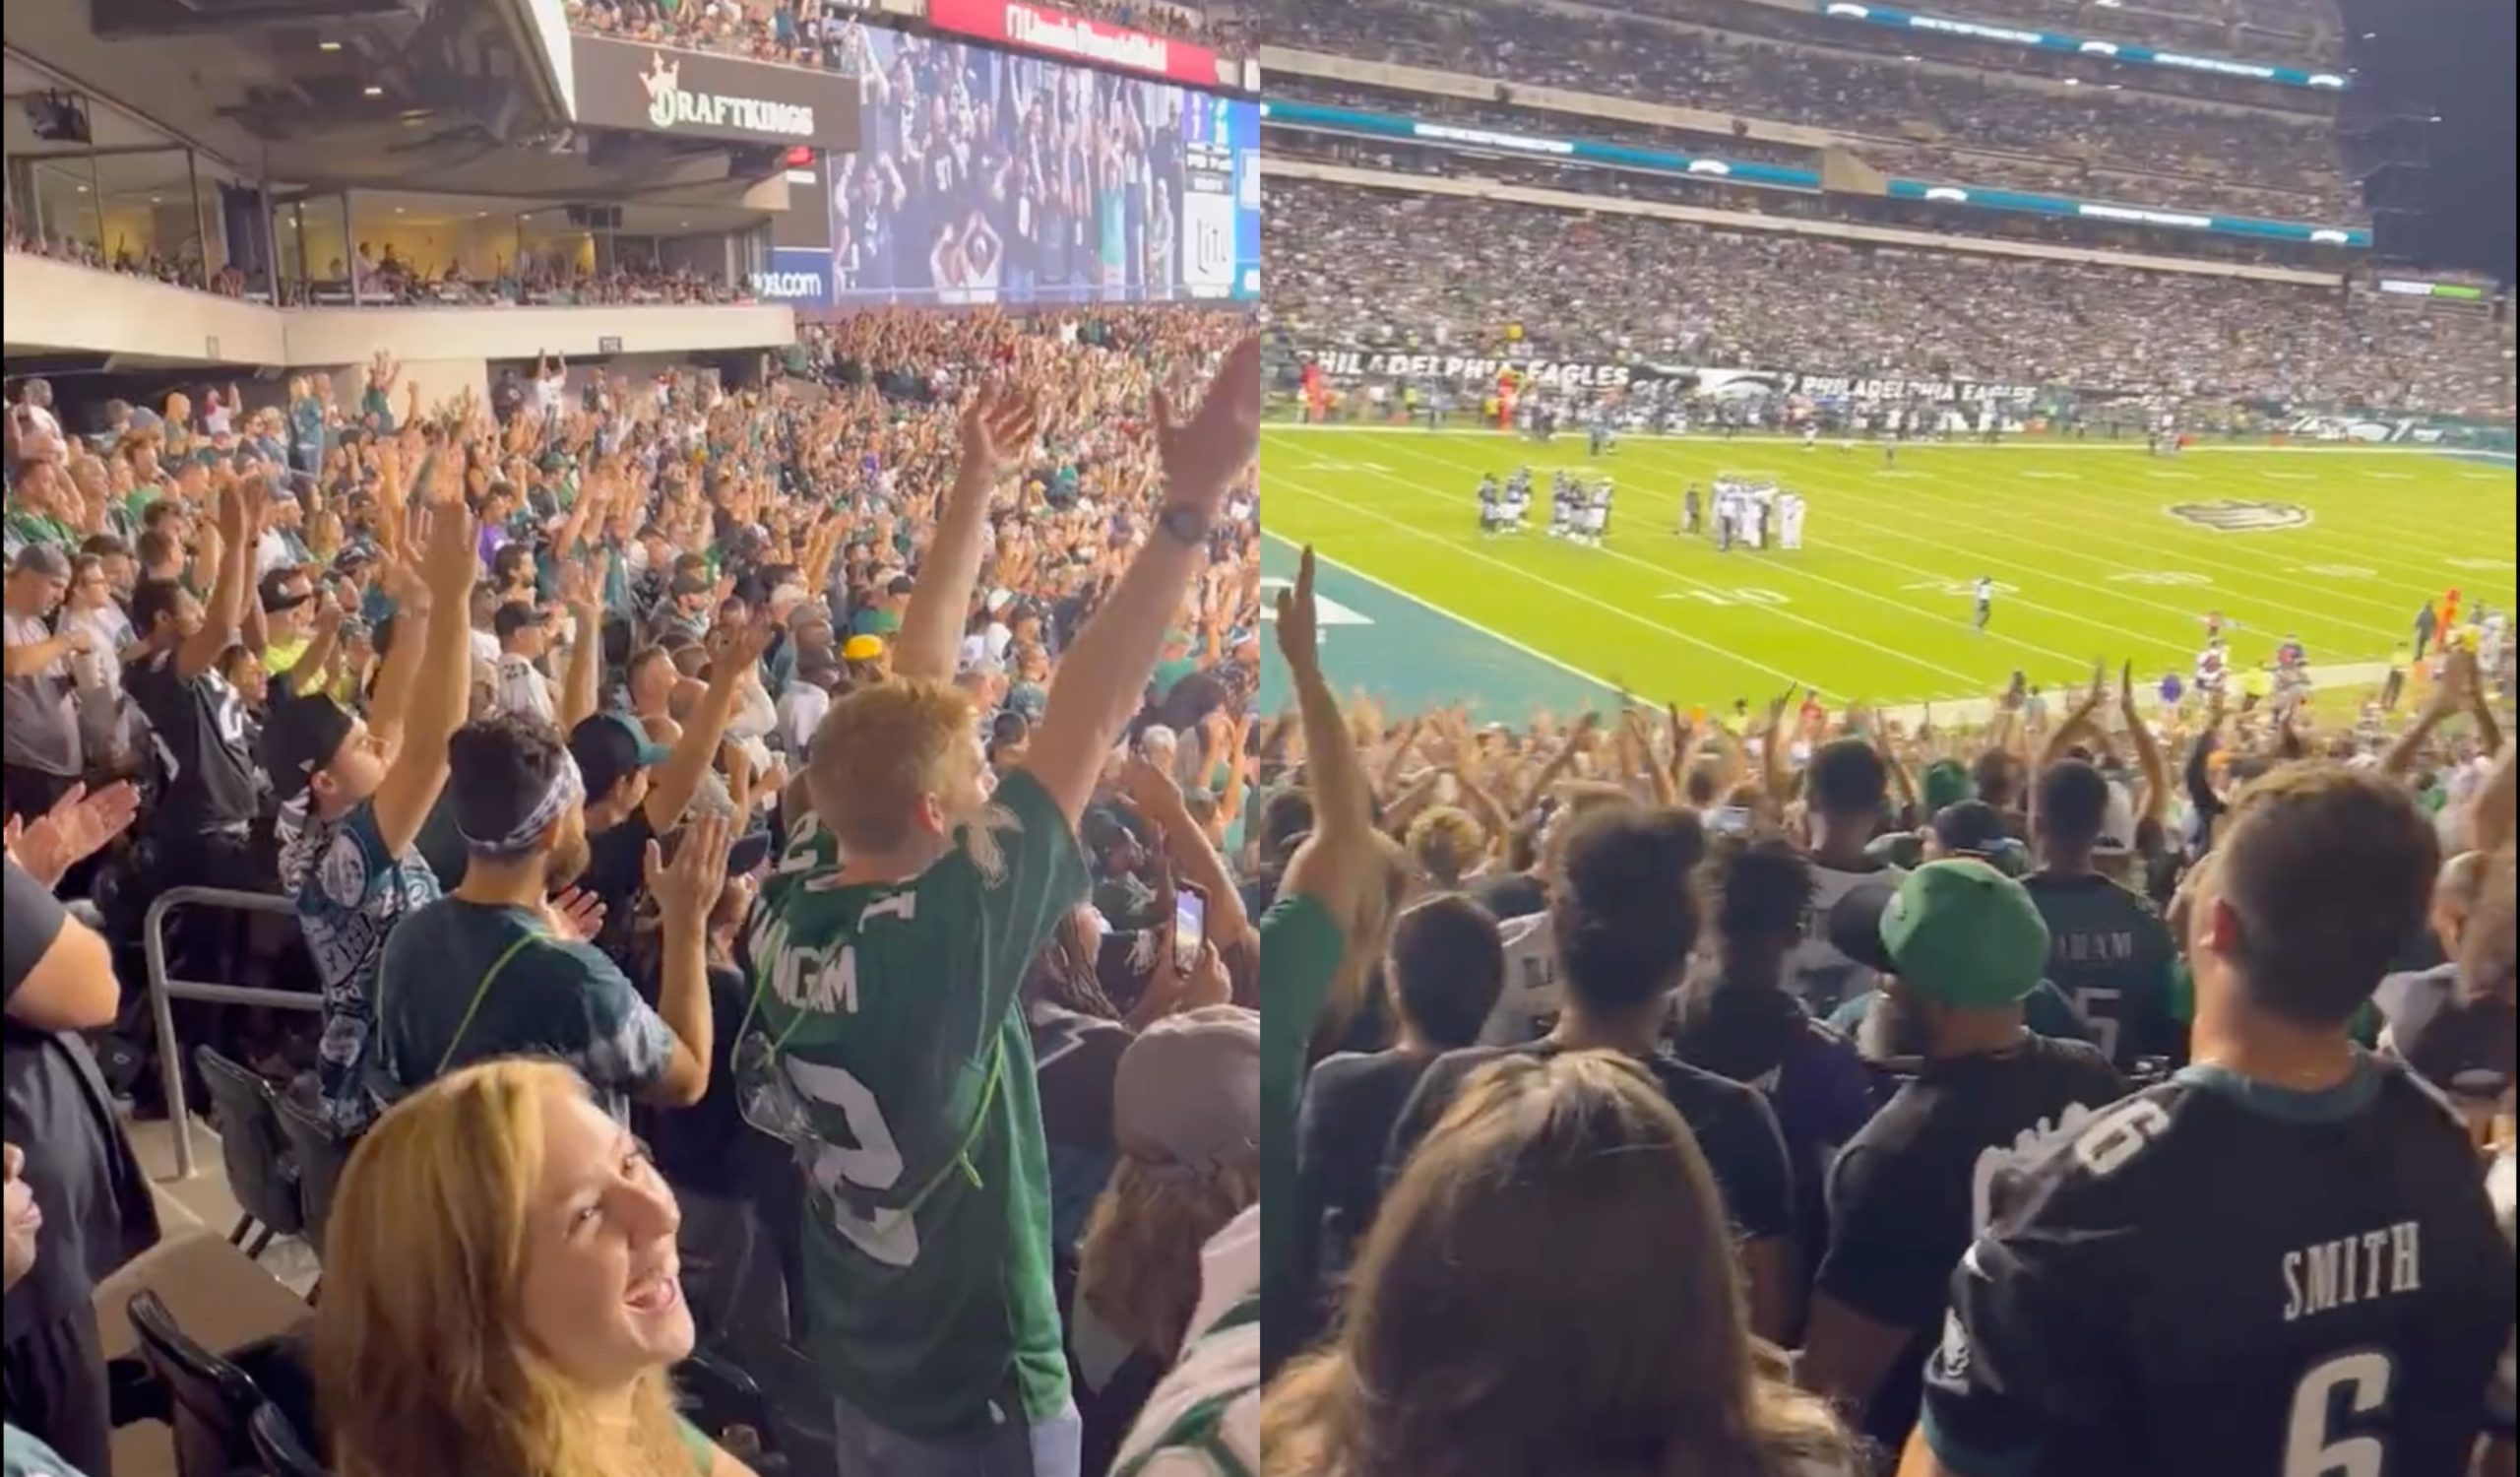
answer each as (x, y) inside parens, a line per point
(501, 1292)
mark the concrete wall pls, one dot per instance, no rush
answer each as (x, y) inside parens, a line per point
(56, 307)
(49, 304)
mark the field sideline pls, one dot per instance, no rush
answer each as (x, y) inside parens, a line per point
(2087, 558)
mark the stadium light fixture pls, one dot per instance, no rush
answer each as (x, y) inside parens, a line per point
(328, 45)
(1911, 56)
(372, 91)
(2074, 82)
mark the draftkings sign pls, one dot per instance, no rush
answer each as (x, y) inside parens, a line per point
(696, 94)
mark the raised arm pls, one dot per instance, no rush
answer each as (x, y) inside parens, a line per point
(580, 694)
(2448, 696)
(998, 426)
(440, 684)
(733, 653)
(1105, 670)
(239, 513)
(1342, 819)
(2154, 799)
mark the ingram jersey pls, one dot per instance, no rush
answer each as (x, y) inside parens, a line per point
(886, 1047)
(2215, 1278)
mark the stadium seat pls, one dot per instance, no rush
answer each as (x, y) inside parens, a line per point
(283, 1445)
(319, 1152)
(250, 1145)
(213, 1398)
(728, 1404)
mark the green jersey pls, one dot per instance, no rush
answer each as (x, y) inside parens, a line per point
(884, 1043)
(2111, 954)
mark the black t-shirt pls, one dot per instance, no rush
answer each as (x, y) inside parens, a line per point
(1910, 1189)
(616, 871)
(1735, 1127)
(1351, 1103)
(2217, 1278)
(703, 1147)
(97, 1213)
(199, 737)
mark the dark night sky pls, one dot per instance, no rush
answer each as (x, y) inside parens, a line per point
(2453, 57)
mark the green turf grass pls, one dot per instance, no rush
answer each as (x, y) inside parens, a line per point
(2087, 560)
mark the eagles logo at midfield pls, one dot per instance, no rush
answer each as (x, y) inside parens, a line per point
(2242, 515)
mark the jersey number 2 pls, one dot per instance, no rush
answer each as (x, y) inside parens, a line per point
(2309, 1450)
(890, 1236)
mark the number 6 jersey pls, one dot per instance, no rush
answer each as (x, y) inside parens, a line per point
(2218, 1279)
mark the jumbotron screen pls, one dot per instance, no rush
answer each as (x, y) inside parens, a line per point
(989, 176)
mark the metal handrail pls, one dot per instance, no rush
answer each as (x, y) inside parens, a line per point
(163, 992)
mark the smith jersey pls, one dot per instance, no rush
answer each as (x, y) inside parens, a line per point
(885, 1045)
(2215, 1278)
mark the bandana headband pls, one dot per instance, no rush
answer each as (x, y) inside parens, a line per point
(568, 788)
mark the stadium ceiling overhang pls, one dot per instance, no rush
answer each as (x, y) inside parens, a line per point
(1512, 143)
(2132, 52)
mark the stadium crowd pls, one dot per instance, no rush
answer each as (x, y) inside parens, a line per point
(1807, 1092)
(1632, 58)
(1348, 269)
(1895, 158)
(757, 854)
(383, 278)
(825, 33)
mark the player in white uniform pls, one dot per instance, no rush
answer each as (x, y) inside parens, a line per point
(1597, 513)
(2213, 667)
(1810, 434)
(1790, 522)
(1562, 495)
(1754, 519)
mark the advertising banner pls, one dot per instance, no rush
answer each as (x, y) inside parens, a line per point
(1078, 39)
(699, 94)
(1472, 370)
(987, 175)
(1687, 379)
(798, 276)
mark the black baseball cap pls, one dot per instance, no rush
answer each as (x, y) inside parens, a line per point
(300, 735)
(514, 616)
(2464, 1047)
(274, 592)
(609, 746)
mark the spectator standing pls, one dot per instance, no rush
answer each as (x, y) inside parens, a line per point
(1626, 919)
(887, 978)
(1625, 1349)
(499, 966)
(1445, 968)
(44, 752)
(355, 794)
(1186, 1116)
(2201, 1225)
(96, 1209)
(1963, 947)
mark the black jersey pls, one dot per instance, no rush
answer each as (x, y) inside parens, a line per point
(1736, 1129)
(2220, 1279)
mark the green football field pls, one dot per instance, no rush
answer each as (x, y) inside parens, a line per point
(2096, 552)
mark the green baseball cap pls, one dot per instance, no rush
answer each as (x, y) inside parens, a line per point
(1964, 934)
(1947, 783)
